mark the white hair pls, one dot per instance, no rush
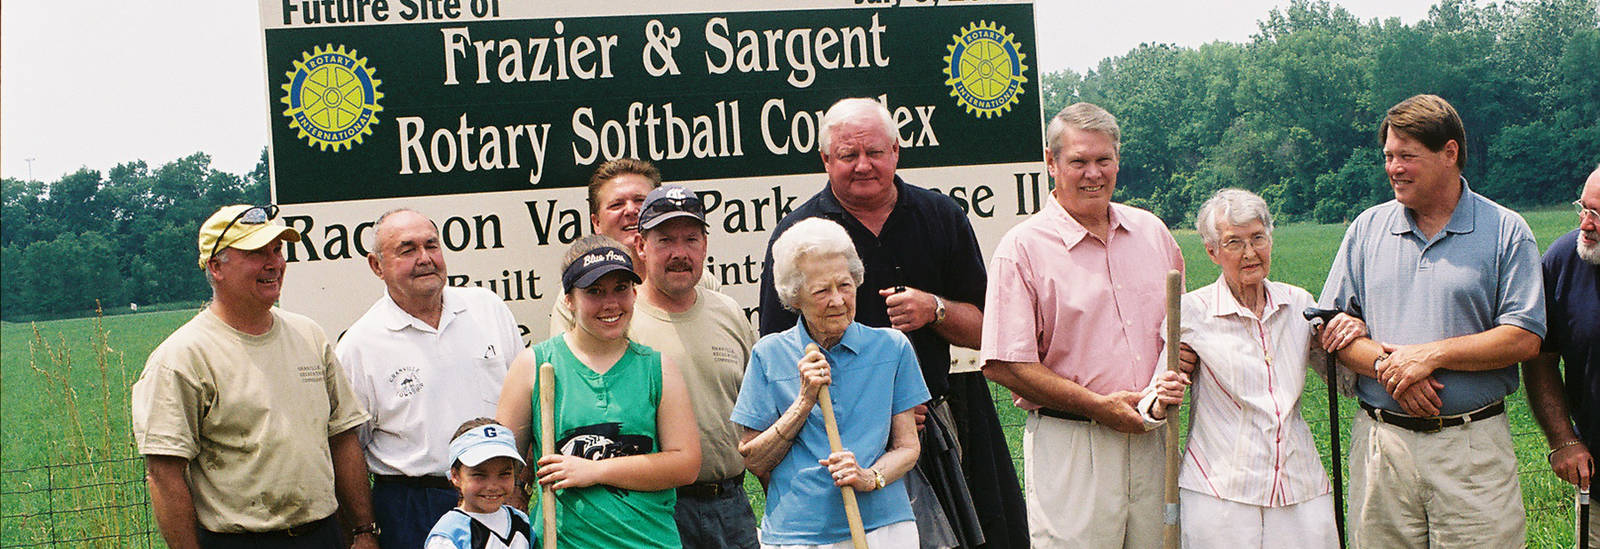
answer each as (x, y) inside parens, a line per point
(852, 108)
(1084, 117)
(816, 238)
(1237, 207)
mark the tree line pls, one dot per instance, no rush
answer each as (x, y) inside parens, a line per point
(1292, 114)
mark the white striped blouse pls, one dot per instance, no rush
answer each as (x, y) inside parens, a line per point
(1247, 441)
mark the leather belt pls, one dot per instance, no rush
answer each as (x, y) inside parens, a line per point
(429, 481)
(1061, 414)
(1432, 424)
(714, 489)
(290, 532)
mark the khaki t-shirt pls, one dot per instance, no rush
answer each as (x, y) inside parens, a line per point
(252, 414)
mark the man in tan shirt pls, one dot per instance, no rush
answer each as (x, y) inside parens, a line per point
(708, 337)
(243, 414)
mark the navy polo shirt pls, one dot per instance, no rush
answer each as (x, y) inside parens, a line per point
(927, 243)
(1572, 303)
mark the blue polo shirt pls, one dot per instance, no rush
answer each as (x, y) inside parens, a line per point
(1572, 297)
(1479, 272)
(875, 376)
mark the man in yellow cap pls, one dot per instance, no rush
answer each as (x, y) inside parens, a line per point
(243, 414)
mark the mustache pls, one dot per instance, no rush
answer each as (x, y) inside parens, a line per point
(679, 265)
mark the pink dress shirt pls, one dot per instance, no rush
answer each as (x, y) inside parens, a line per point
(1247, 440)
(1087, 309)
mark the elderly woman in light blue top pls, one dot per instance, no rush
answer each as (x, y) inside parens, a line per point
(874, 380)
(1251, 475)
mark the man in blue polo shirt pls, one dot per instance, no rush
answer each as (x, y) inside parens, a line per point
(1450, 286)
(1572, 297)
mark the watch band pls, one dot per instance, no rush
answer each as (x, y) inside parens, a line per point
(938, 309)
(368, 528)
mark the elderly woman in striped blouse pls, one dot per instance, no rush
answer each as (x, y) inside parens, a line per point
(1251, 476)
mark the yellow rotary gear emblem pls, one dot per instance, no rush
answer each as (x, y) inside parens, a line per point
(332, 97)
(984, 69)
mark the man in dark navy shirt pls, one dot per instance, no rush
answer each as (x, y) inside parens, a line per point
(924, 277)
(1572, 300)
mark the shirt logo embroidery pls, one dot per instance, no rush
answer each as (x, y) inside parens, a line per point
(405, 382)
(310, 373)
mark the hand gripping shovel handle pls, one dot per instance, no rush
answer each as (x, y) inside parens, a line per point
(852, 510)
(547, 446)
(1171, 532)
(1319, 317)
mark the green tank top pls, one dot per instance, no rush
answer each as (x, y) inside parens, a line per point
(600, 416)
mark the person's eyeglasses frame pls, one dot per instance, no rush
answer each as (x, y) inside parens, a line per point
(271, 211)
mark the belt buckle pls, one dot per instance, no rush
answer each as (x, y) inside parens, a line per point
(1436, 424)
(714, 489)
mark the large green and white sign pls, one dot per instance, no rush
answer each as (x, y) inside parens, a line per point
(490, 115)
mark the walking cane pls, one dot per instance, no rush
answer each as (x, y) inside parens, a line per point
(547, 446)
(1319, 317)
(852, 511)
(1583, 519)
(1172, 529)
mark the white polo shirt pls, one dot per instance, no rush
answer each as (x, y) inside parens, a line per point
(421, 383)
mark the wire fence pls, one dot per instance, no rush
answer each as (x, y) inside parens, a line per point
(90, 504)
(105, 503)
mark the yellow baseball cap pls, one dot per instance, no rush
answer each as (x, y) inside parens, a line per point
(243, 227)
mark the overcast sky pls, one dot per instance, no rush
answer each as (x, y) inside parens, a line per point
(98, 82)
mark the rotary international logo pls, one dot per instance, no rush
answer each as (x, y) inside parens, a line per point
(984, 69)
(332, 97)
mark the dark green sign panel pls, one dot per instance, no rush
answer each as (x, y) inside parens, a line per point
(422, 109)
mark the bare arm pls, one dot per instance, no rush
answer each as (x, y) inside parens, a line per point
(896, 461)
(350, 484)
(1570, 458)
(1497, 347)
(169, 496)
(762, 450)
(913, 308)
(676, 464)
(514, 411)
(1038, 384)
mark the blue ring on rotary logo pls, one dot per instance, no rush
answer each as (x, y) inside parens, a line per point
(985, 69)
(332, 98)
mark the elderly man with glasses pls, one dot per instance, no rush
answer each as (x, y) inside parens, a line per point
(243, 415)
(1569, 412)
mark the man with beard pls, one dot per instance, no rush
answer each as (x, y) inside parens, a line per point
(1572, 301)
(425, 358)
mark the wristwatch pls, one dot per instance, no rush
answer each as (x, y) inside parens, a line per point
(368, 528)
(938, 309)
(877, 478)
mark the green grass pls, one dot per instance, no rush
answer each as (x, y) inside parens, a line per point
(76, 409)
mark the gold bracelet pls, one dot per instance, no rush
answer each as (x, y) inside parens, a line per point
(1550, 457)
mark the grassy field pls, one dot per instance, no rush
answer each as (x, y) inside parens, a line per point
(64, 402)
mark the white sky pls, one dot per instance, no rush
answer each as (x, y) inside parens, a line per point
(98, 82)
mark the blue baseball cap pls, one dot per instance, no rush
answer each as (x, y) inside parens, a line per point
(667, 202)
(483, 443)
(593, 264)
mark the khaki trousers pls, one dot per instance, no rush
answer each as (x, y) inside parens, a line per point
(1454, 488)
(1088, 486)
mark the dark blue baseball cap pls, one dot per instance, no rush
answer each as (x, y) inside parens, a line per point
(593, 264)
(669, 201)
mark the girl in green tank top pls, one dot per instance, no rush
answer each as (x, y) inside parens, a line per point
(625, 435)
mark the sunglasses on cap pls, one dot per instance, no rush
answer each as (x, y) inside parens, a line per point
(255, 215)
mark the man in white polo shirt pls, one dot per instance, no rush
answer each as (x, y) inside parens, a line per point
(423, 359)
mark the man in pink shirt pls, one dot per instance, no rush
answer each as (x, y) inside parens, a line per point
(1072, 326)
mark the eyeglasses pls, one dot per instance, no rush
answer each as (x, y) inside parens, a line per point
(255, 215)
(1586, 213)
(1236, 245)
(661, 206)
